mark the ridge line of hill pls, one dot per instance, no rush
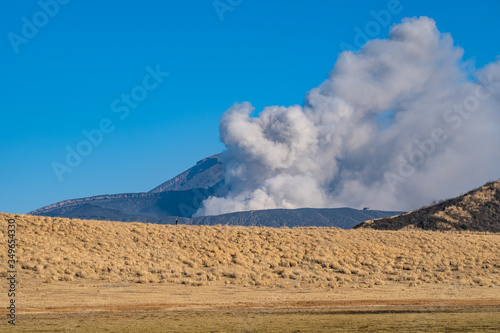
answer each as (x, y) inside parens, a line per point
(476, 210)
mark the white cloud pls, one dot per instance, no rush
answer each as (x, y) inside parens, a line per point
(440, 136)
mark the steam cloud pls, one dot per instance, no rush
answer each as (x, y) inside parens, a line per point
(396, 125)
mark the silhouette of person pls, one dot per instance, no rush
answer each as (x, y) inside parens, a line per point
(176, 221)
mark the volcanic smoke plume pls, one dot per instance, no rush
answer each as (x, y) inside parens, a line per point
(396, 125)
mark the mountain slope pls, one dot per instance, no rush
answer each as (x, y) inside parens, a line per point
(477, 210)
(205, 174)
(149, 206)
(179, 196)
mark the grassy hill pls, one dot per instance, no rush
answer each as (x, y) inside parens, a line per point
(59, 249)
(477, 210)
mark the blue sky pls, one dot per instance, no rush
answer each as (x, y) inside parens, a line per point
(62, 79)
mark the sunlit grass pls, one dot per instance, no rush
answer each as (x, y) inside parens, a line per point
(57, 249)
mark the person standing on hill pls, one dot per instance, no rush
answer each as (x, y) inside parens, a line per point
(176, 221)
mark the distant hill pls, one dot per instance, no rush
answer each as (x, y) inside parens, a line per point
(477, 210)
(344, 218)
(180, 197)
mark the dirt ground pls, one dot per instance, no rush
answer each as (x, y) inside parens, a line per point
(96, 306)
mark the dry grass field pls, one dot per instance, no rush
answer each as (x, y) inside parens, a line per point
(249, 279)
(56, 249)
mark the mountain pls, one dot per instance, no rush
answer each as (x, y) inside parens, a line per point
(180, 197)
(477, 210)
(129, 206)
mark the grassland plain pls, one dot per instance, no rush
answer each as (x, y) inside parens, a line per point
(58, 249)
(176, 275)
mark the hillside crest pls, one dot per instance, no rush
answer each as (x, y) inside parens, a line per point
(477, 210)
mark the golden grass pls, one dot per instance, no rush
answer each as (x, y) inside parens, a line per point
(58, 249)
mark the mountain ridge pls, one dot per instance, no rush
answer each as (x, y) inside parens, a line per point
(206, 173)
(476, 210)
(202, 179)
(181, 196)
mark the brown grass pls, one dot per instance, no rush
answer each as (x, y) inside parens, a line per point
(58, 249)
